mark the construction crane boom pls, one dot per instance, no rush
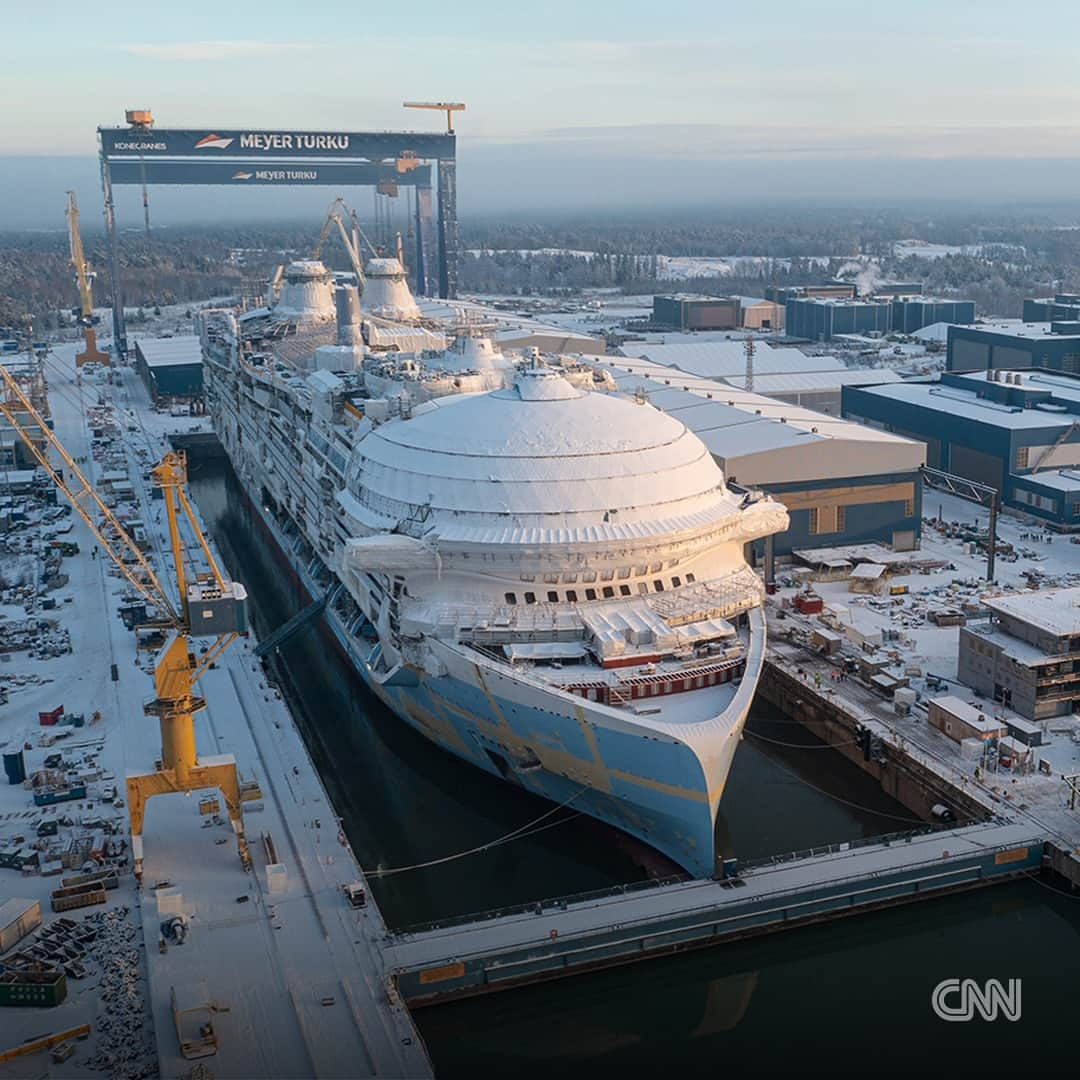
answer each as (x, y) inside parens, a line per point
(91, 354)
(1042, 461)
(448, 107)
(119, 546)
(208, 606)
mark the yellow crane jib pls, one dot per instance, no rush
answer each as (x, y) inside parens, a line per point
(91, 354)
(448, 107)
(209, 606)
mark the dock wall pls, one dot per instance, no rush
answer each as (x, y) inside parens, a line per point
(900, 774)
(572, 937)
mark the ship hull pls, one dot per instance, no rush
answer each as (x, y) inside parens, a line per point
(658, 791)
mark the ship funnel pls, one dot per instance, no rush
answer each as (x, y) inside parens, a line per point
(347, 304)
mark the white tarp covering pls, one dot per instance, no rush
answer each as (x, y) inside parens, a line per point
(390, 552)
(544, 650)
(404, 338)
(868, 571)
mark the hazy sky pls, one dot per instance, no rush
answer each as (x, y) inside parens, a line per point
(685, 85)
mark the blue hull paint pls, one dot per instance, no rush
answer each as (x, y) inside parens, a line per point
(680, 827)
(676, 825)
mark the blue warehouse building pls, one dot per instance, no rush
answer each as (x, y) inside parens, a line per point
(1018, 431)
(1013, 344)
(911, 313)
(1062, 306)
(822, 318)
(171, 368)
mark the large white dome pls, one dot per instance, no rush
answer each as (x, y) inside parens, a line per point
(541, 454)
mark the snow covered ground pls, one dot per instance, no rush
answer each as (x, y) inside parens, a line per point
(922, 649)
(296, 975)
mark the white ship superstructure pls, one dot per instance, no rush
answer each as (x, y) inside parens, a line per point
(545, 578)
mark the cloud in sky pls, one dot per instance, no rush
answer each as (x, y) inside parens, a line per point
(215, 50)
(719, 142)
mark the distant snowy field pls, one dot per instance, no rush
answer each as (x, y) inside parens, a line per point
(678, 267)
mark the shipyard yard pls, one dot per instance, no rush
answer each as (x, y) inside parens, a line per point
(243, 951)
(246, 959)
(626, 623)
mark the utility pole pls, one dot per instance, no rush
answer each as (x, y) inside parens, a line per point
(748, 348)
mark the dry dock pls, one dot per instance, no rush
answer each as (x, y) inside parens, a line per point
(571, 936)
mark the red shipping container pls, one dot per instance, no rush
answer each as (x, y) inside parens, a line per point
(809, 604)
(48, 718)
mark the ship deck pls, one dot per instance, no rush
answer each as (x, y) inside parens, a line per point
(697, 705)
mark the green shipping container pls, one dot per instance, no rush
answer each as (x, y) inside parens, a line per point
(23, 988)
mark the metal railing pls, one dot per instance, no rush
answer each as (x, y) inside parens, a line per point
(537, 907)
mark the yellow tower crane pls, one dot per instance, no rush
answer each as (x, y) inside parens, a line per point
(448, 107)
(91, 354)
(209, 606)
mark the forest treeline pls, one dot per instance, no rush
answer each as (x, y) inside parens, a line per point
(1014, 256)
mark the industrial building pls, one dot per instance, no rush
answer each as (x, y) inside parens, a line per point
(690, 311)
(786, 374)
(1028, 657)
(756, 313)
(1061, 306)
(891, 289)
(835, 290)
(841, 482)
(1010, 343)
(1018, 431)
(823, 318)
(911, 313)
(171, 368)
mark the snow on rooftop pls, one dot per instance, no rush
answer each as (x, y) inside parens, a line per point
(1056, 611)
(716, 359)
(1036, 331)
(955, 401)
(753, 407)
(938, 331)
(170, 352)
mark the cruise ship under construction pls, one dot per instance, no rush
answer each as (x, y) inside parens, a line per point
(541, 575)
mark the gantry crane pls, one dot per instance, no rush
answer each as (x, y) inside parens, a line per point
(209, 606)
(91, 354)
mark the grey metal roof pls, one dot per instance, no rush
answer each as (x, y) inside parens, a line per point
(170, 352)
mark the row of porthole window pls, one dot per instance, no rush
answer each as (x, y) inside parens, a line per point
(606, 592)
(587, 576)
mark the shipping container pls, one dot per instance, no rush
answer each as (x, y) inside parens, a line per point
(78, 896)
(15, 766)
(21, 988)
(17, 919)
(58, 795)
